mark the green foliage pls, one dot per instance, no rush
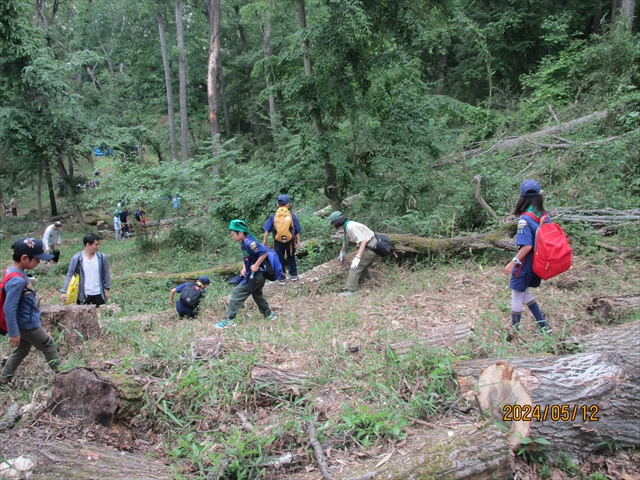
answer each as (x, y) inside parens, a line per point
(533, 450)
(368, 426)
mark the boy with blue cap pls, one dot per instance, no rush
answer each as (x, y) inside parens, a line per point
(188, 307)
(21, 311)
(254, 254)
(286, 236)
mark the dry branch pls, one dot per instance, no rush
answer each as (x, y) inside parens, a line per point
(317, 450)
(478, 195)
(12, 417)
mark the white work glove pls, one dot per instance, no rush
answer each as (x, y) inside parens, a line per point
(341, 257)
(355, 262)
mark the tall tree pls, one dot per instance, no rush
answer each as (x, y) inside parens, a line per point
(182, 72)
(167, 81)
(268, 70)
(212, 73)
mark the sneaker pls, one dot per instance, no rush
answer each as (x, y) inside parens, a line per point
(5, 382)
(282, 281)
(270, 316)
(346, 293)
(547, 329)
(293, 278)
(226, 323)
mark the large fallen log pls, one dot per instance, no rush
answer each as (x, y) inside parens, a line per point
(275, 381)
(515, 142)
(77, 323)
(611, 308)
(581, 402)
(71, 459)
(95, 397)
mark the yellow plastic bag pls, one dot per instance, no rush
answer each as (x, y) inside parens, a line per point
(72, 290)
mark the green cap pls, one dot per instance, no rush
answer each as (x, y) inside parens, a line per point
(238, 226)
(334, 216)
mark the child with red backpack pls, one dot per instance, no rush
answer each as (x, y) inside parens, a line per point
(20, 317)
(530, 207)
(286, 235)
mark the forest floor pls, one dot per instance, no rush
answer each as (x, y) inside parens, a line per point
(342, 341)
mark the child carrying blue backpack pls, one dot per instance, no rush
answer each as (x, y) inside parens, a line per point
(260, 264)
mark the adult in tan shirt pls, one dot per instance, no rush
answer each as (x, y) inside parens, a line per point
(13, 204)
(362, 236)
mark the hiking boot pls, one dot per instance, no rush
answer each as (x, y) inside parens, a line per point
(282, 281)
(5, 382)
(270, 316)
(226, 323)
(293, 278)
(346, 293)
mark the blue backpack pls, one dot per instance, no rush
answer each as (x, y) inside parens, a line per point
(273, 268)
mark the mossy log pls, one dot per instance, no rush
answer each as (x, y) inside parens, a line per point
(444, 337)
(611, 308)
(106, 398)
(71, 460)
(581, 402)
(77, 323)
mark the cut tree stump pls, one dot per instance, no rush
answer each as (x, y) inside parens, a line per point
(278, 382)
(614, 308)
(445, 337)
(602, 383)
(95, 397)
(77, 323)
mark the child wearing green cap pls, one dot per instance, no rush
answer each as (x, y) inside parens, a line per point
(254, 254)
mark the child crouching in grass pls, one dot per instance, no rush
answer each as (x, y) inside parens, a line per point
(254, 254)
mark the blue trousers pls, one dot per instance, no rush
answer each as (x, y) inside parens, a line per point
(290, 249)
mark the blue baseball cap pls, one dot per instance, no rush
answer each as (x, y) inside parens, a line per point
(32, 247)
(530, 188)
(204, 280)
(283, 200)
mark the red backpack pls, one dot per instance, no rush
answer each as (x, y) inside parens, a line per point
(5, 279)
(552, 253)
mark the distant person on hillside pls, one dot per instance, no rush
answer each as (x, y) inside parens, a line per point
(21, 310)
(124, 218)
(286, 235)
(93, 268)
(117, 225)
(13, 204)
(530, 207)
(175, 201)
(254, 254)
(366, 240)
(50, 238)
(191, 294)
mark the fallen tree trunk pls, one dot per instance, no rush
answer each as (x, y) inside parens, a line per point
(275, 381)
(524, 139)
(95, 397)
(580, 402)
(77, 323)
(611, 308)
(444, 337)
(69, 459)
(205, 348)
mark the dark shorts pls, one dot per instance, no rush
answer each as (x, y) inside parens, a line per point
(96, 300)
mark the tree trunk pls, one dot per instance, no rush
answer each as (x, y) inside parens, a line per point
(600, 389)
(205, 348)
(614, 308)
(223, 98)
(627, 10)
(442, 68)
(70, 190)
(39, 190)
(77, 323)
(182, 69)
(1, 196)
(269, 73)
(596, 24)
(212, 74)
(168, 87)
(444, 337)
(275, 381)
(52, 193)
(95, 397)
(331, 190)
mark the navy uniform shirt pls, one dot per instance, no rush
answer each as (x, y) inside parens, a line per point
(522, 276)
(251, 251)
(181, 308)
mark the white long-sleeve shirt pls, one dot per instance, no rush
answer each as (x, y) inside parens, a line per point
(51, 237)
